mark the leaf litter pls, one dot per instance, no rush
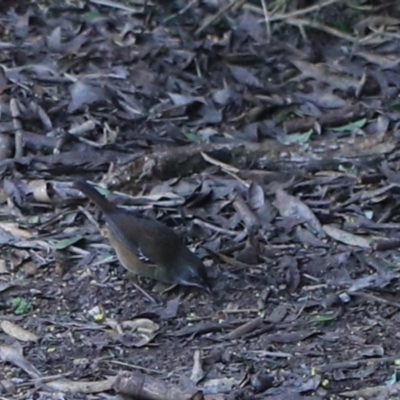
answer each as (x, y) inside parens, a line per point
(278, 163)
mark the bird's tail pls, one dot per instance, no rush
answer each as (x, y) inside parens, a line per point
(97, 198)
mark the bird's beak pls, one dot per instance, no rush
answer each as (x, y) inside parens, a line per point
(203, 286)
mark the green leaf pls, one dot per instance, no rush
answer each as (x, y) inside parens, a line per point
(340, 26)
(299, 137)
(324, 318)
(192, 136)
(282, 116)
(64, 243)
(93, 16)
(351, 126)
(20, 305)
(394, 107)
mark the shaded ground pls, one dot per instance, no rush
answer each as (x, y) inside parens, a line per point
(303, 255)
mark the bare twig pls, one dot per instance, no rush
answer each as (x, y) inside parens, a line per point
(218, 15)
(15, 113)
(293, 14)
(267, 21)
(322, 27)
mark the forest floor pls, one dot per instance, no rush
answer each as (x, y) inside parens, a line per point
(300, 231)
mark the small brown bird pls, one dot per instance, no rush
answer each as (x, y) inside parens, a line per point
(135, 236)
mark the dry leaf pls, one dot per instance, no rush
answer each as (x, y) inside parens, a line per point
(17, 332)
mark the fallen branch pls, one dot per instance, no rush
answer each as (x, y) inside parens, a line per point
(269, 155)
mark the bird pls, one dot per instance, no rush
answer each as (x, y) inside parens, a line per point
(146, 246)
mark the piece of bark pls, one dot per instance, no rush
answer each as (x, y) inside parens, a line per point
(143, 387)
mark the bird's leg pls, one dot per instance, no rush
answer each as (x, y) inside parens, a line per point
(135, 281)
(169, 288)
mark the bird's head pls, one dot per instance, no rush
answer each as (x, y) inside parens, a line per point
(192, 272)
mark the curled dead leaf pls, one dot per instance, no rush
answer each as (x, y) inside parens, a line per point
(18, 332)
